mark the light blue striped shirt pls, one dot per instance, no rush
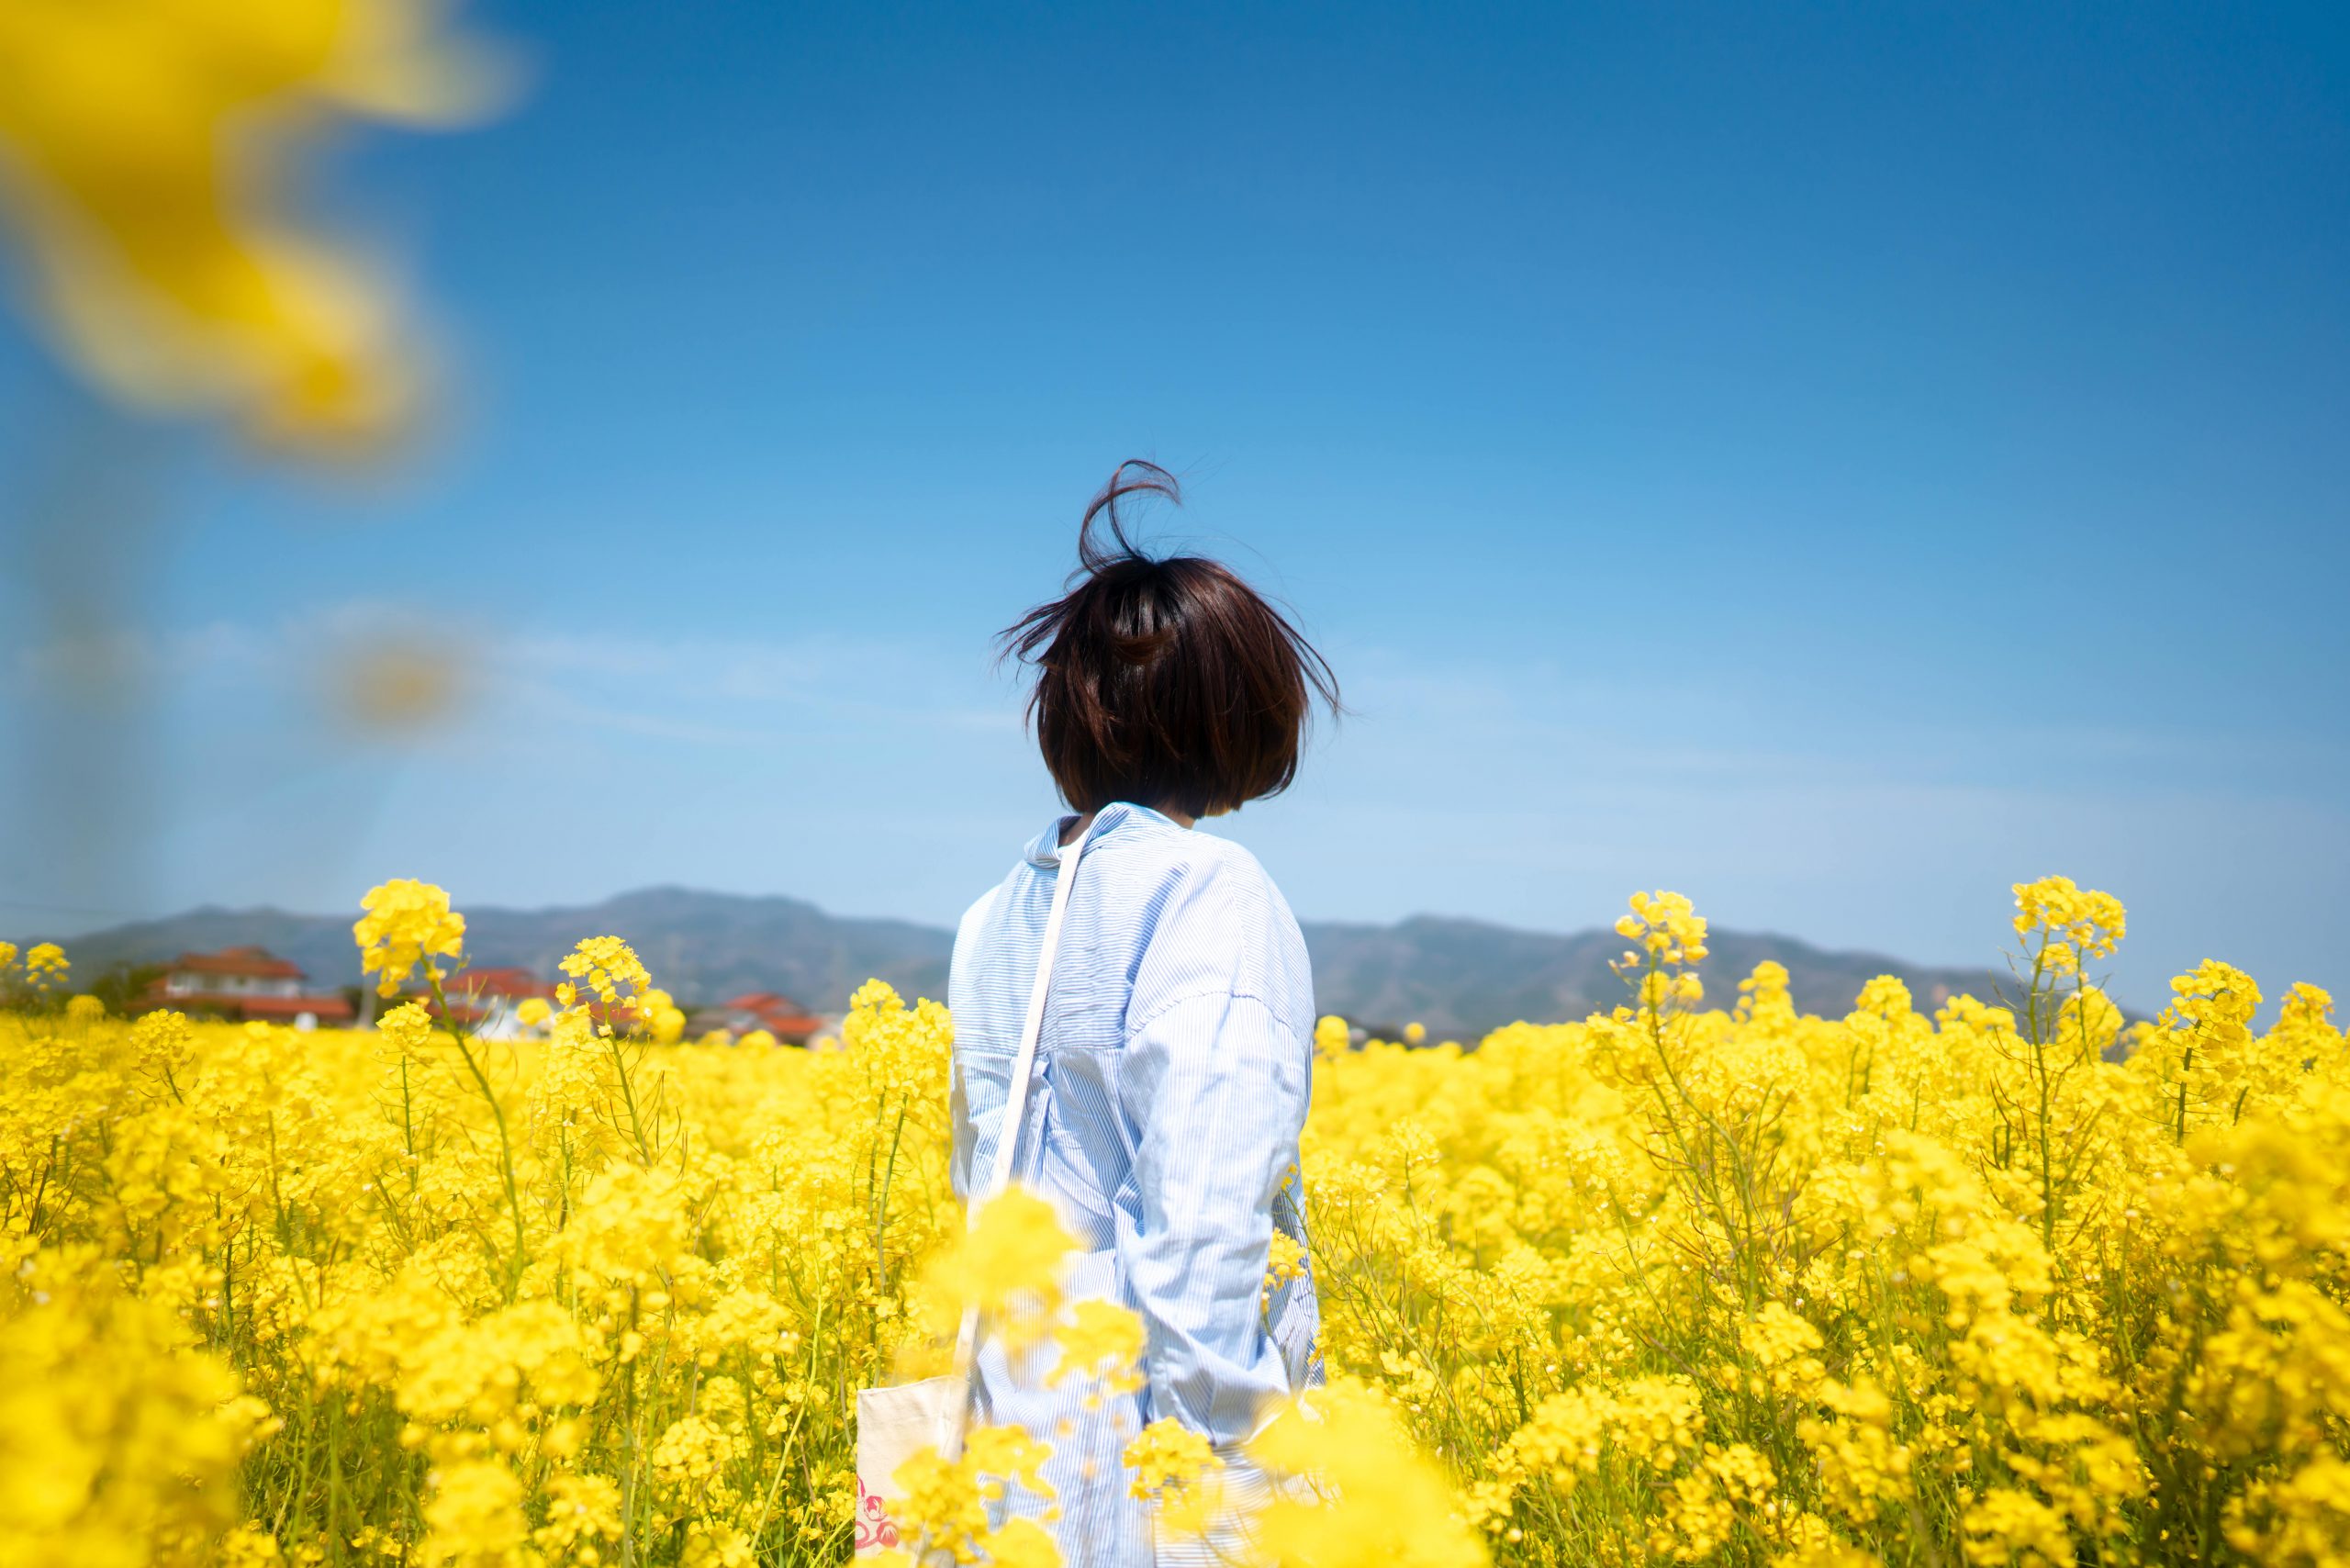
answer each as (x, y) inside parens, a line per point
(1171, 1084)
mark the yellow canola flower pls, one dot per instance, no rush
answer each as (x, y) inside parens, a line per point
(407, 1031)
(45, 964)
(1178, 1473)
(408, 922)
(945, 1504)
(1169, 1454)
(660, 1016)
(475, 1512)
(1100, 1341)
(2216, 1002)
(2064, 923)
(611, 969)
(1366, 1496)
(1008, 1264)
(1284, 1260)
(147, 148)
(1667, 926)
(118, 1440)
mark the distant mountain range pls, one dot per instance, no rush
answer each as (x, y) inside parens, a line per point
(1465, 976)
(1461, 978)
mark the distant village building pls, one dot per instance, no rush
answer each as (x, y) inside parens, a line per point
(485, 1000)
(772, 1010)
(246, 983)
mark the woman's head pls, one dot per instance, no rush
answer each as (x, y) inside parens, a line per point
(1169, 683)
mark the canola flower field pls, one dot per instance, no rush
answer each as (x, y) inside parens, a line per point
(1681, 1283)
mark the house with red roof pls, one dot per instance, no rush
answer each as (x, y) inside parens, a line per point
(772, 1010)
(484, 1001)
(246, 983)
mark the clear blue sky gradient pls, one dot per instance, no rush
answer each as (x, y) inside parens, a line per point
(1834, 462)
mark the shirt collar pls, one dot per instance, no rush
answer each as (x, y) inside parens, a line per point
(1045, 850)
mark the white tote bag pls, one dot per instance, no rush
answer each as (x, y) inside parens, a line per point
(896, 1423)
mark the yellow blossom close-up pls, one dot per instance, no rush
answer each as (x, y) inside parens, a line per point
(408, 925)
(145, 154)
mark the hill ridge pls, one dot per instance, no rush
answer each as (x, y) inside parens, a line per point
(1459, 975)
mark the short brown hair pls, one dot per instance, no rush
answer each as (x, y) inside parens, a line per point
(1169, 683)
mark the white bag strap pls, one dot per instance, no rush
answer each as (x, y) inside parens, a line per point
(1023, 1063)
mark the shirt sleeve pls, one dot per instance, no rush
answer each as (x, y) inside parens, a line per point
(1214, 1088)
(962, 1001)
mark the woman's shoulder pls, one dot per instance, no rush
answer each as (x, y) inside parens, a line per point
(1209, 920)
(1194, 867)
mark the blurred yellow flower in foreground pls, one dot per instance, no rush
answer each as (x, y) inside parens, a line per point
(1370, 1497)
(400, 681)
(1010, 1260)
(145, 147)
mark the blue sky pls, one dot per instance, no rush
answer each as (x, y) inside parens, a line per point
(1835, 462)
